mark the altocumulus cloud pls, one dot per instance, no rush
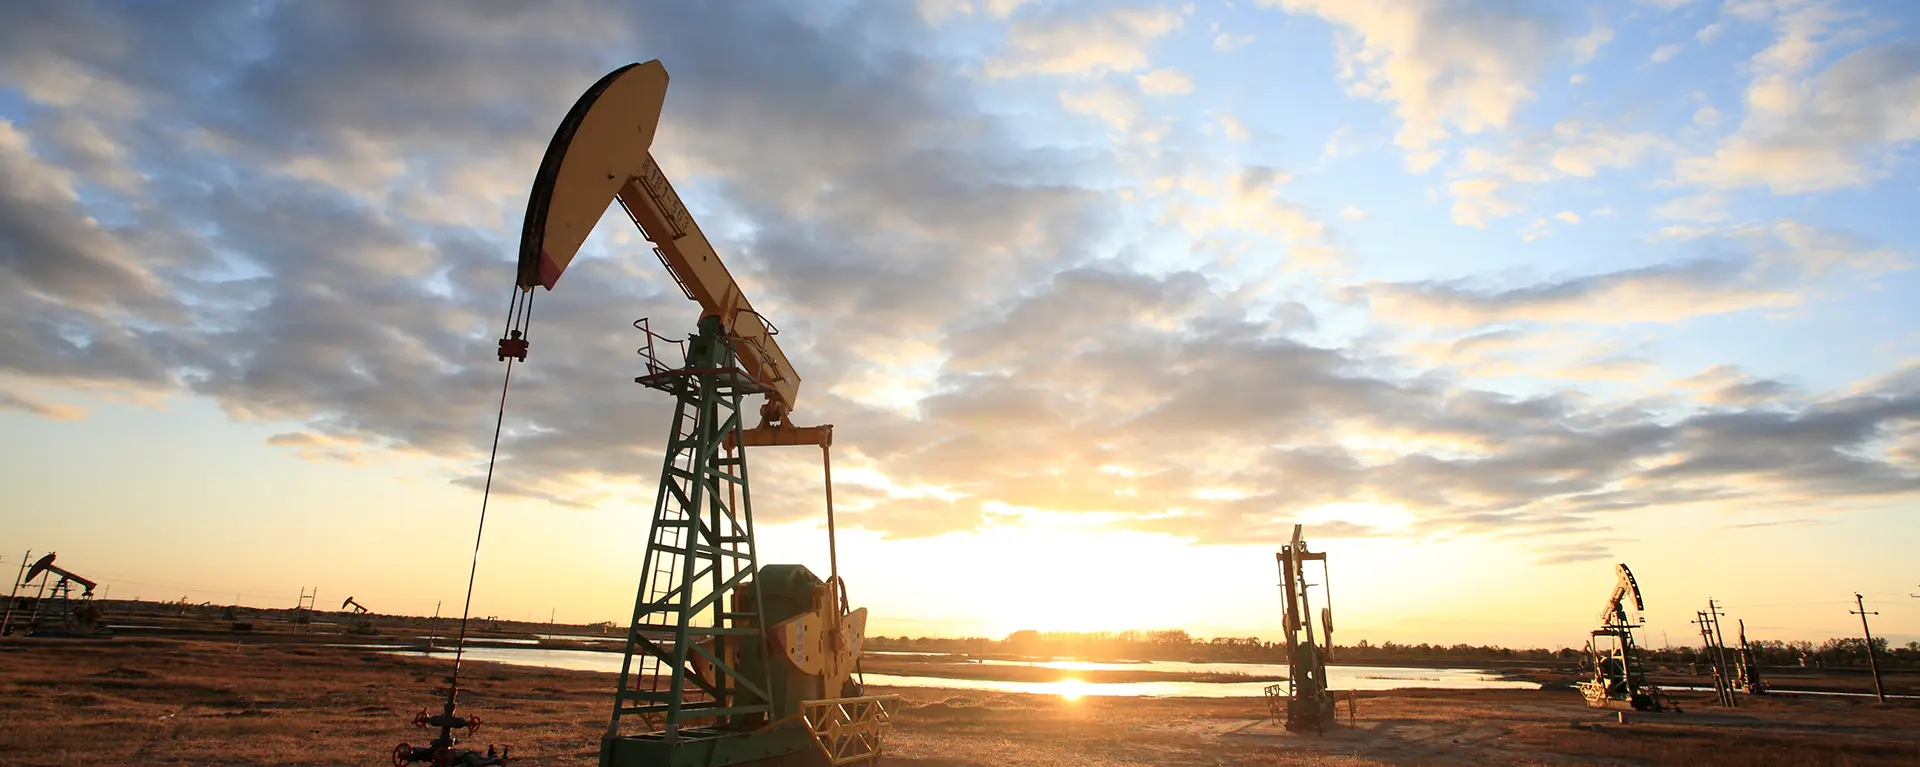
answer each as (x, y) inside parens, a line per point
(305, 212)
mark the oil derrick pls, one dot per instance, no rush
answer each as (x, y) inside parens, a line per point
(1619, 675)
(1309, 704)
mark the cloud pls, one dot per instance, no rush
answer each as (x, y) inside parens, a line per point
(1664, 53)
(1226, 41)
(1164, 82)
(1004, 8)
(1706, 208)
(1535, 230)
(307, 302)
(1233, 128)
(937, 12)
(1614, 368)
(1476, 200)
(1110, 40)
(1567, 217)
(50, 247)
(1775, 264)
(322, 448)
(1248, 201)
(1588, 46)
(1450, 67)
(955, 296)
(1339, 144)
(1530, 350)
(50, 410)
(1585, 150)
(1484, 175)
(1118, 107)
(1664, 293)
(1778, 523)
(1572, 553)
(1729, 385)
(1831, 130)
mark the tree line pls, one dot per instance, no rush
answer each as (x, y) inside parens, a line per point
(1175, 644)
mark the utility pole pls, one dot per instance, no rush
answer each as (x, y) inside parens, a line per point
(1716, 641)
(6, 621)
(1872, 661)
(434, 627)
(1722, 683)
(1720, 642)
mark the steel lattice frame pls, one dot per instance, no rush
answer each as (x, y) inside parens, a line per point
(689, 629)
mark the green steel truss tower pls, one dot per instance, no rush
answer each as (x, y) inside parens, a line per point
(695, 669)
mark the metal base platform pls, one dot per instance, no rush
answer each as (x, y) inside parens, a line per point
(789, 744)
(1598, 697)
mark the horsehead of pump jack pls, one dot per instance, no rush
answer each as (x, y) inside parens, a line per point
(606, 156)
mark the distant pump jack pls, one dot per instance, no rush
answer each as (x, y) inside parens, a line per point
(1306, 703)
(1618, 678)
(56, 613)
(361, 622)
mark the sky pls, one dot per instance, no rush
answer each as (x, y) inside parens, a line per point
(1101, 300)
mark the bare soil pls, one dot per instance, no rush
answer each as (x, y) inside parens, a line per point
(152, 701)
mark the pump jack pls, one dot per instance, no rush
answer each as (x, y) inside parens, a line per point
(1619, 678)
(359, 623)
(1750, 680)
(1309, 704)
(55, 612)
(727, 661)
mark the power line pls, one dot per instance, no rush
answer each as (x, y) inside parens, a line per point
(1744, 606)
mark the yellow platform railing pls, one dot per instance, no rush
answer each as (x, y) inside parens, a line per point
(849, 729)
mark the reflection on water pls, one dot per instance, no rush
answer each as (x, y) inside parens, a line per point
(1340, 677)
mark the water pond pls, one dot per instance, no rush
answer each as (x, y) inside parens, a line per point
(1341, 677)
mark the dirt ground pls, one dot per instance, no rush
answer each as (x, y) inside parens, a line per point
(172, 702)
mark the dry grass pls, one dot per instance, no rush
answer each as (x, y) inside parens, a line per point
(126, 701)
(170, 702)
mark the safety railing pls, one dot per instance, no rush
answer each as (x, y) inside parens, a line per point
(656, 344)
(849, 730)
